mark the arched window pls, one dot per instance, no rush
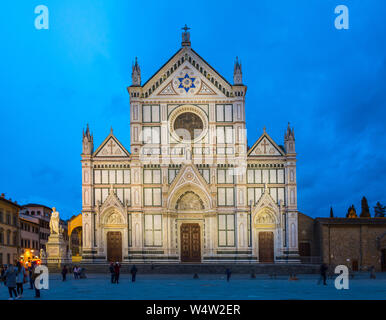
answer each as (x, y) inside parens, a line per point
(1, 236)
(8, 237)
(15, 238)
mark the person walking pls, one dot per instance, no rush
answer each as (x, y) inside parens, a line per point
(2, 272)
(20, 278)
(228, 273)
(10, 281)
(117, 268)
(34, 277)
(64, 273)
(112, 272)
(76, 272)
(323, 273)
(133, 272)
(31, 283)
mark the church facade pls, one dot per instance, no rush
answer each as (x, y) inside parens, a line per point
(190, 189)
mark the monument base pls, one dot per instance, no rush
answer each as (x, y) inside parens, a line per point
(56, 251)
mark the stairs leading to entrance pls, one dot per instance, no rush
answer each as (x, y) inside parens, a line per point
(182, 268)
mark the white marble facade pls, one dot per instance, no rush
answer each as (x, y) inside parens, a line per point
(189, 164)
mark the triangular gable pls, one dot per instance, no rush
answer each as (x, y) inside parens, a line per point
(111, 147)
(112, 201)
(265, 146)
(188, 174)
(267, 209)
(187, 81)
(170, 73)
(189, 179)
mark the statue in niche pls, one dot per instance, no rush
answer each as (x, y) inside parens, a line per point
(189, 201)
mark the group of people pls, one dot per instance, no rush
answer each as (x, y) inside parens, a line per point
(78, 272)
(115, 269)
(14, 276)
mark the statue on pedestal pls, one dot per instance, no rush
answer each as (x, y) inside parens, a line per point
(54, 222)
(42, 254)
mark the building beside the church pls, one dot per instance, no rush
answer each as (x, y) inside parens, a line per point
(190, 189)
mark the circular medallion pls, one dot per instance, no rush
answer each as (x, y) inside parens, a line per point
(188, 124)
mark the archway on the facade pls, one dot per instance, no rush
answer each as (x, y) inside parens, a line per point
(76, 242)
(265, 224)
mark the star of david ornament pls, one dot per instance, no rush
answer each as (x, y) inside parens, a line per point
(186, 83)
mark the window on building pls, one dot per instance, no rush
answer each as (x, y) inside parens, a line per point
(206, 174)
(1, 216)
(225, 175)
(151, 113)
(32, 213)
(8, 218)
(153, 230)
(129, 229)
(151, 176)
(224, 113)
(226, 230)
(151, 135)
(152, 196)
(1, 236)
(15, 239)
(224, 134)
(8, 237)
(225, 196)
(172, 173)
(15, 221)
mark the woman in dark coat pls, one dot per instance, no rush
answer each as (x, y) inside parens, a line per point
(10, 281)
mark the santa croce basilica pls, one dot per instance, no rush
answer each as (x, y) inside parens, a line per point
(190, 189)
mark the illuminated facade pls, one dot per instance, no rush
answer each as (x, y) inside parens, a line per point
(189, 190)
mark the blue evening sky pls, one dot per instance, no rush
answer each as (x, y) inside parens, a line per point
(330, 84)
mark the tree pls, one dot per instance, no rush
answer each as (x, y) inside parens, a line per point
(365, 209)
(331, 213)
(380, 210)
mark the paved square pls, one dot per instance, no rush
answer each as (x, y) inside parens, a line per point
(207, 287)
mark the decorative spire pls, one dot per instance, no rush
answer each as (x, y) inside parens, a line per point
(136, 74)
(290, 133)
(88, 141)
(111, 130)
(186, 37)
(237, 73)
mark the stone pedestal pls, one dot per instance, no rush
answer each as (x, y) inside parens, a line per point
(56, 250)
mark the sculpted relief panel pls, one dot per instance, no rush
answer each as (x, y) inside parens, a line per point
(189, 201)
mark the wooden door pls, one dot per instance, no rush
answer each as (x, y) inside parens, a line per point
(304, 249)
(266, 249)
(114, 246)
(354, 265)
(383, 260)
(190, 242)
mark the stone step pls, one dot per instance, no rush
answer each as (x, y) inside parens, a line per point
(257, 268)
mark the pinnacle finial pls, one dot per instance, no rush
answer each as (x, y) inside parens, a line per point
(186, 36)
(111, 130)
(265, 129)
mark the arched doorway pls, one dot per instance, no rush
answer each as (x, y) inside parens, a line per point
(76, 241)
(265, 233)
